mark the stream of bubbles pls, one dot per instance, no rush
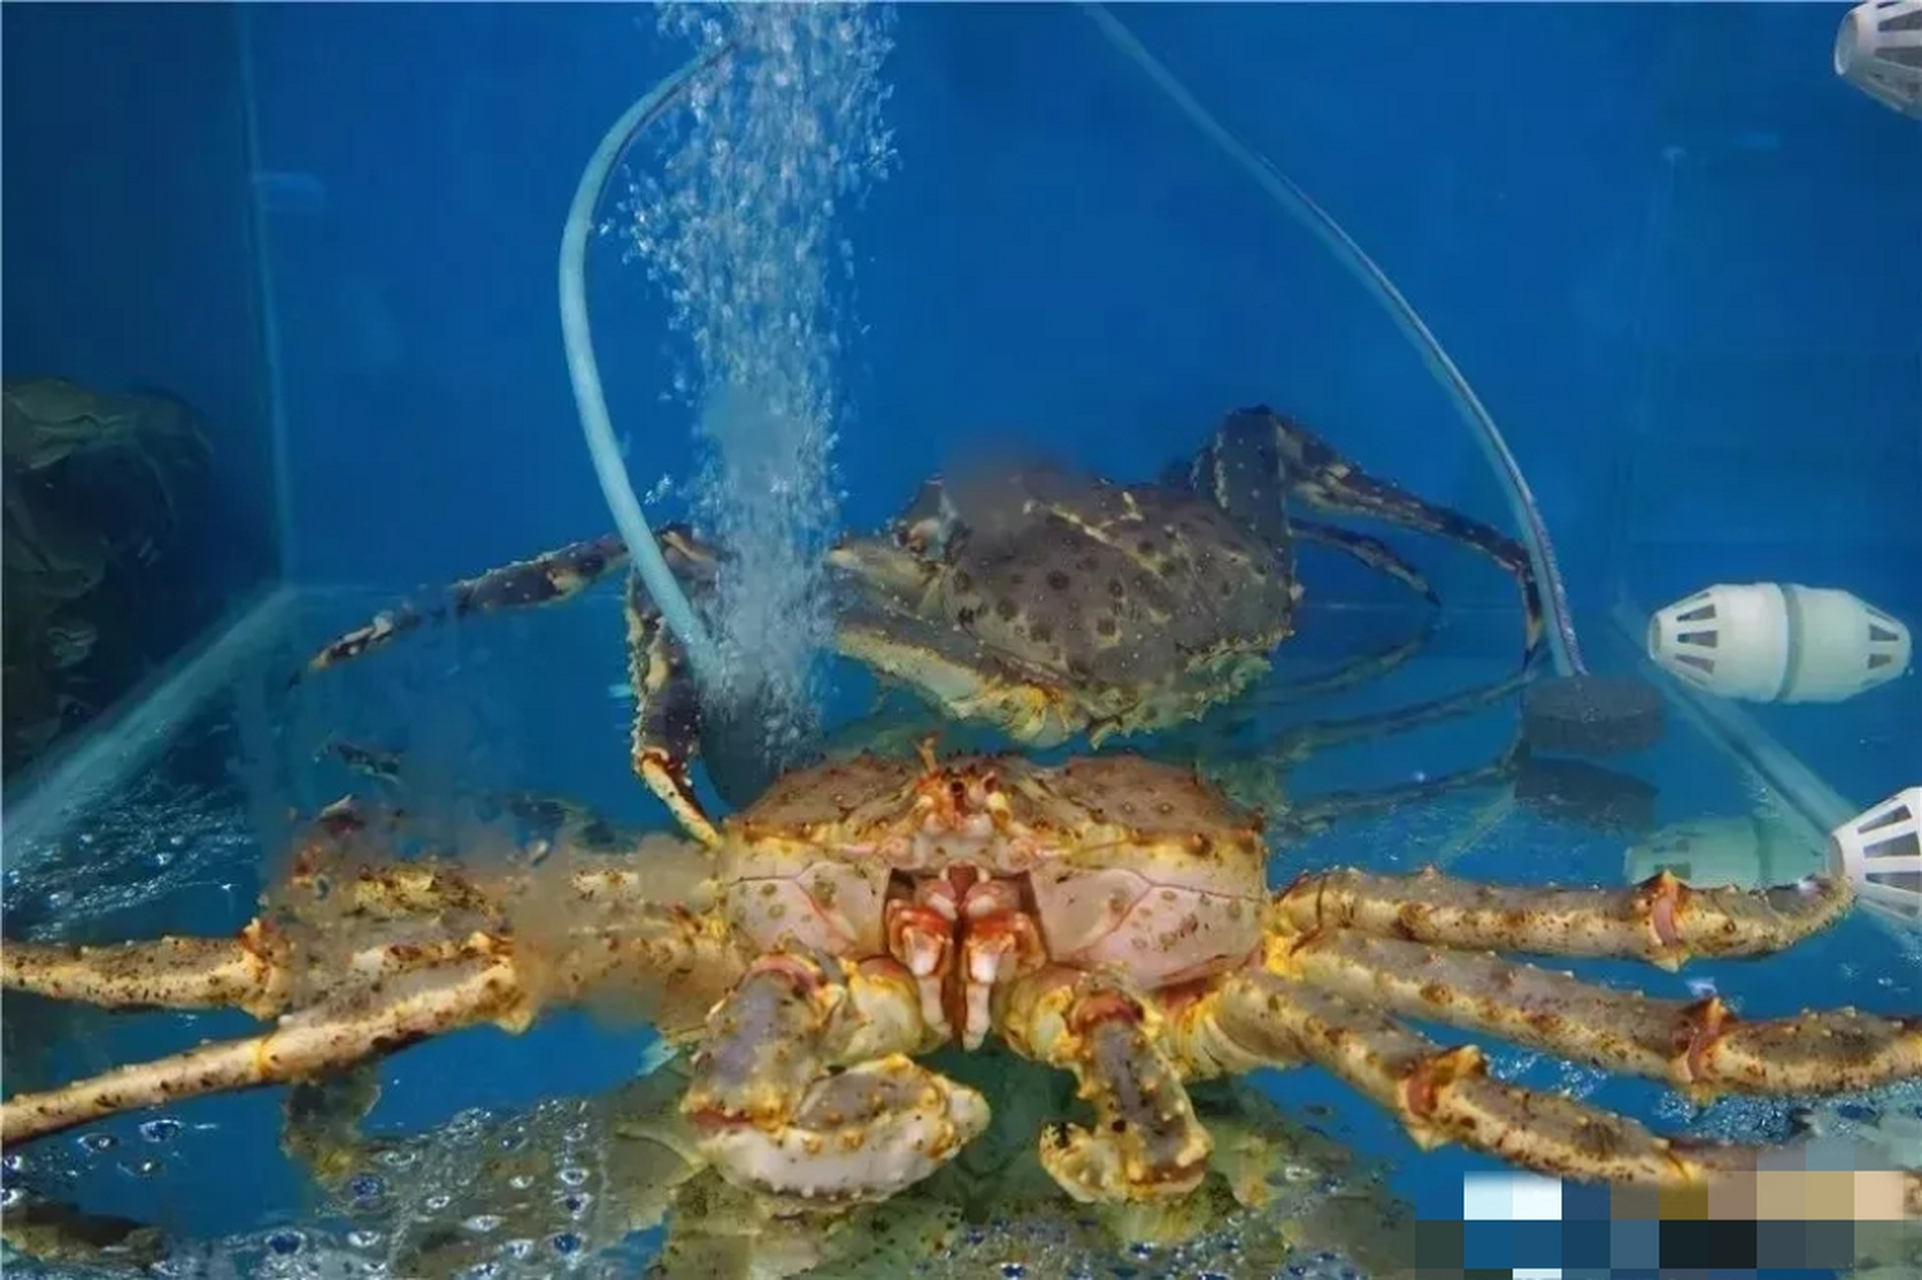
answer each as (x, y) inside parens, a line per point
(737, 222)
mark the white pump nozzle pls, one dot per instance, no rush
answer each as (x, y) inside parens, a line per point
(1881, 850)
(1879, 50)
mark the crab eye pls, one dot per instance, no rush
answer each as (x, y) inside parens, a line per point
(959, 790)
(991, 784)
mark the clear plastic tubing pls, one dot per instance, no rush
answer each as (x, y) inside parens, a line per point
(1563, 647)
(682, 622)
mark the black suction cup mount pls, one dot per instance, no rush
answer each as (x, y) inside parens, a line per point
(1588, 715)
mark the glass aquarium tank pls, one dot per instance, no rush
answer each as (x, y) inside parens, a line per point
(950, 640)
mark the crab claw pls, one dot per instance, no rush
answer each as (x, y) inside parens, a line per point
(858, 1137)
(1146, 1144)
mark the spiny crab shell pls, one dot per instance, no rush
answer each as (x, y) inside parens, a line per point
(1112, 608)
(952, 868)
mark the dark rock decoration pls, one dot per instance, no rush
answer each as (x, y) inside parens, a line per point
(101, 497)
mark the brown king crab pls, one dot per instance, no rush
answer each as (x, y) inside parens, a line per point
(1045, 604)
(1109, 917)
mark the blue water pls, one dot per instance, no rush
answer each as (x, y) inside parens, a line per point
(1665, 244)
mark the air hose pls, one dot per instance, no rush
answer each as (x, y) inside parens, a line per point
(1576, 711)
(681, 619)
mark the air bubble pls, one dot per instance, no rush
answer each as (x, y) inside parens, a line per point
(435, 1203)
(572, 1176)
(96, 1143)
(286, 1243)
(160, 1130)
(566, 1242)
(11, 1196)
(483, 1223)
(735, 232)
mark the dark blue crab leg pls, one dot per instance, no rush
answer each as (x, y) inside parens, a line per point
(666, 734)
(1370, 551)
(1313, 815)
(666, 737)
(550, 578)
(1363, 669)
(1258, 458)
(1300, 741)
(1297, 817)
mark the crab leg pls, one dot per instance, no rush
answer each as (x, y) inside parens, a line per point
(1311, 815)
(666, 736)
(779, 1115)
(1314, 472)
(668, 959)
(1661, 920)
(1146, 1143)
(251, 973)
(1349, 674)
(334, 1034)
(1699, 1046)
(579, 931)
(1446, 1095)
(1369, 551)
(550, 578)
(1299, 742)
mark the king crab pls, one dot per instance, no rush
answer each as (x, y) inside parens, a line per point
(1109, 917)
(1043, 604)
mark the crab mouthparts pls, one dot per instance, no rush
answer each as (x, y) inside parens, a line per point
(961, 935)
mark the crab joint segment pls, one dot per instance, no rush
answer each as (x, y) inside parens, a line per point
(328, 1037)
(247, 972)
(776, 1116)
(1700, 1047)
(1446, 1095)
(1146, 1143)
(1662, 920)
